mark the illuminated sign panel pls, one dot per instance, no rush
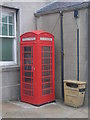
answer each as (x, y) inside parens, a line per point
(28, 39)
(44, 38)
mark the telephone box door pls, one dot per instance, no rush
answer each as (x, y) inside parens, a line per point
(28, 72)
(47, 74)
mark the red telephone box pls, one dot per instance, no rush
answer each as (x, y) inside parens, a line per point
(37, 67)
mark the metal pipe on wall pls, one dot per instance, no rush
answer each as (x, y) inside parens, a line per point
(76, 17)
(62, 53)
(78, 54)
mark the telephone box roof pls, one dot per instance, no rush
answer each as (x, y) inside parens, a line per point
(37, 32)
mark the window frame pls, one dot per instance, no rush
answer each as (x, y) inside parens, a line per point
(14, 62)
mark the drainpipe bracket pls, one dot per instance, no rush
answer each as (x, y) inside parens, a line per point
(61, 13)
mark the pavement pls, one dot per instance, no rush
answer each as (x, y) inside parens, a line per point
(17, 109)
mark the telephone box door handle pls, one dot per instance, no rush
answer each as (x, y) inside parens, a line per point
(33, 68)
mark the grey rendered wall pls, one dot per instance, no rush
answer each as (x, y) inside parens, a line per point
(47, 22)
(69, 43)
(0, 67)
(10, 75)
(70, 46)
(83, 45)
(51, 23)
(88, 56)
(10, 83)
(83, 23)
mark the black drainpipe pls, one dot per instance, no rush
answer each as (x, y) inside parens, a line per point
(76, 17)
(62, 53)
(77, 54)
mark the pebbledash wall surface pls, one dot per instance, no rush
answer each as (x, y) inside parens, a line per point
(50, 20)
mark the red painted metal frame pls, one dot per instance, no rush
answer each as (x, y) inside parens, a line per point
(37, 98)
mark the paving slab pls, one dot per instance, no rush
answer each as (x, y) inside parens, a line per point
(17, 109)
